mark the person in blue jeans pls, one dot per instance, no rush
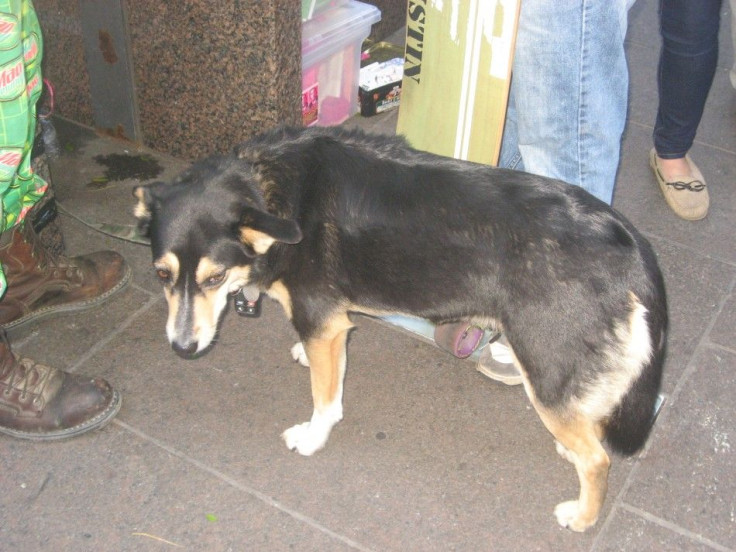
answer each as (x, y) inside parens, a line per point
(569, 92)
(687, 65)
(567, 108)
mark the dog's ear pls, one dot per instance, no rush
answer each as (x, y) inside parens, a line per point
(144, 207)
(259, 230)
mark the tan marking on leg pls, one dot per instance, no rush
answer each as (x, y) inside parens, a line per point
(578, 441)
(327, 356)
(279, 292)
(582, 447)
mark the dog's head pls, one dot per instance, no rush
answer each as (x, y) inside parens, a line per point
(206, 229)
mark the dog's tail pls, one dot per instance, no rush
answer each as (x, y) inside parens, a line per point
(629, 426)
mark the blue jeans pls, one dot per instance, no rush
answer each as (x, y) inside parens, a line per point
(687, 64)
(569, 92)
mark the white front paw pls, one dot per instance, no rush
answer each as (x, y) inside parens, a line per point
(309, 437)
(568, 515)
(299, 354)
(306, 438)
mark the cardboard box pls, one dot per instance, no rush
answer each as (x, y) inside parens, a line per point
(457, 72)
(380, 78)
(380, 86)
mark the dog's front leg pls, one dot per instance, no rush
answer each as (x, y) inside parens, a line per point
(327, 358)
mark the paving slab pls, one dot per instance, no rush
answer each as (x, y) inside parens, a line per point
(688, 476)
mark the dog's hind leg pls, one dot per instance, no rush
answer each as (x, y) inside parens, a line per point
(578, 440)
(327, 357)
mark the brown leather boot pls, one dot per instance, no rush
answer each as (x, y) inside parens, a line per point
(40, 284)
(41, 403)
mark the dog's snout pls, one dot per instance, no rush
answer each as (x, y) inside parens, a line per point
(186, 350)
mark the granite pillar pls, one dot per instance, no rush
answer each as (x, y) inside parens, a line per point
(211, 74)
(207, 74)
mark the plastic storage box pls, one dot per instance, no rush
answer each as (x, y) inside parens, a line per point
(311, 8)
(331, 46)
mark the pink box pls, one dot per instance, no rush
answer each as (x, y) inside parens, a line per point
(331, 47)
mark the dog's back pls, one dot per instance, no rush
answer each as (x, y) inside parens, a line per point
(407, 231)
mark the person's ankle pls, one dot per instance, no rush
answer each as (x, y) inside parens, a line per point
(673, 167)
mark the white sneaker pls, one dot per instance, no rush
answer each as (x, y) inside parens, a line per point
(496, 362)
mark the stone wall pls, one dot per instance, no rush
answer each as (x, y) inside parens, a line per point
(212, 74)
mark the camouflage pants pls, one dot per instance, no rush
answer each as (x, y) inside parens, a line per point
(21, 84)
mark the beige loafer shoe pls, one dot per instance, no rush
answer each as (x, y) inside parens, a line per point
(686, 195)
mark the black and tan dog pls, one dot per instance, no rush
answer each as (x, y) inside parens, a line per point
(333, 221)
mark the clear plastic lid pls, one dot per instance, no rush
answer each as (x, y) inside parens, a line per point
(330, 31)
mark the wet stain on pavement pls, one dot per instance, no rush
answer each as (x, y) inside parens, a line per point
(125, 167)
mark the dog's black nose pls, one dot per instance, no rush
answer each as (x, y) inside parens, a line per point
(185, 351)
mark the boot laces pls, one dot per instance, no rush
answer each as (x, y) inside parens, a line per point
(25, 376)
(60, 264)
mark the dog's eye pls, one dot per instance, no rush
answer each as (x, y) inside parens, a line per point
(163, 275)
(214, 280)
